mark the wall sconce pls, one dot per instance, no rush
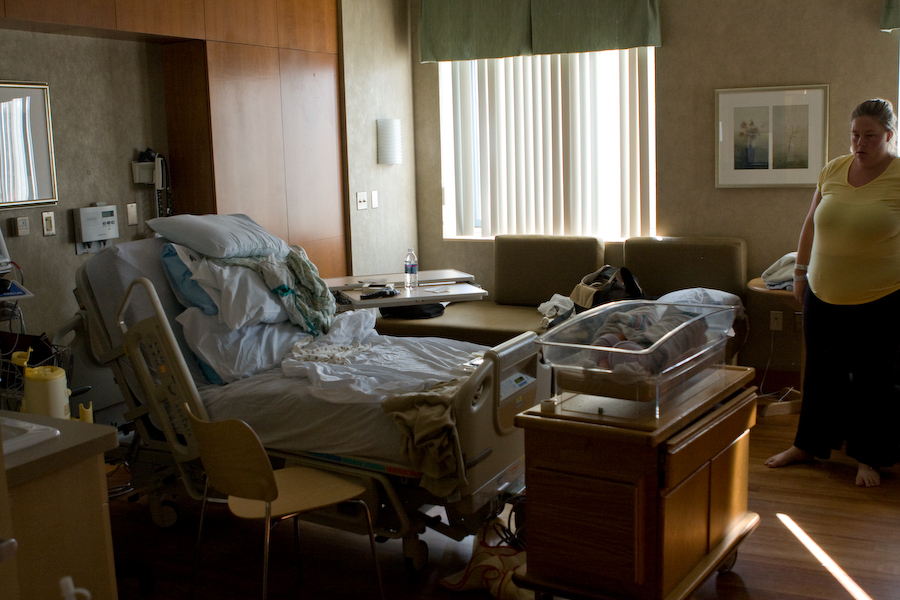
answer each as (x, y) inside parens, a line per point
(390, 146)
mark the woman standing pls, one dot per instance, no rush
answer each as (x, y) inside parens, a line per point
(850, 252)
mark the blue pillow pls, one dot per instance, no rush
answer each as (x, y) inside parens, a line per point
(188, 291)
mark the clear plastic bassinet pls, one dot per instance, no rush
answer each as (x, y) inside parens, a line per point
(637, 350)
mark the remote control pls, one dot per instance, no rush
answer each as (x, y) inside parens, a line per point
(383, 293)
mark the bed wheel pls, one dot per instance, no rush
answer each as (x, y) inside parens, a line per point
(416, 558)
(728, 563)
(163, 512)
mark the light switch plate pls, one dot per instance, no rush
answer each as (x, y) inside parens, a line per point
(362, 201)
(23, 227)
(132, 213)
(374, 199)
(48, 221)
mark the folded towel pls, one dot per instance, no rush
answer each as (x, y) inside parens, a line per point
(781, 270)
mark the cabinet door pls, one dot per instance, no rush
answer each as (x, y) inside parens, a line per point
(312, 149)
(9, 578)
(729, 484)
(179, 18)
(308, 25)
(247, 133)
(100, 14)
(588, 533)
(187, 120)
(684, 528)
(242, 22)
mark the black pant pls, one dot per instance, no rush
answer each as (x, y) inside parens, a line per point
(849, 391)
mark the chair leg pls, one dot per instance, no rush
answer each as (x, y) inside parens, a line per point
(297, 545)
(199, 533)
(266, 551)
(372, 544)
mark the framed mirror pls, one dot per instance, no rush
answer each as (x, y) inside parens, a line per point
(27, 164)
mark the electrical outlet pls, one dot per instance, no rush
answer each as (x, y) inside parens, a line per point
(362, 202)
(776, 320)
(798, 322)
(48, 222)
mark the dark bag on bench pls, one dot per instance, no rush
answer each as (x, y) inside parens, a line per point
(606, 285)
(415, 311)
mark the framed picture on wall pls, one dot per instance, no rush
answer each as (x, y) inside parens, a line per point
(771, 137)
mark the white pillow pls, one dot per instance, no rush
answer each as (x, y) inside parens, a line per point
(240, 293)
(237, 354)
(235, 295)
(704, 296)
(220, 236)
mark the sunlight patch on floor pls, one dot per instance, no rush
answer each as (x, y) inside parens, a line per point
(827, 562)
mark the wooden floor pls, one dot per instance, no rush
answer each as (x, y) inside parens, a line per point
(858, 528)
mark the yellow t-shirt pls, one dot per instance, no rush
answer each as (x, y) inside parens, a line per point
(856, 247)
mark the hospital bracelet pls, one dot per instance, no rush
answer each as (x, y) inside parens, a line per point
(799, 267)
(799, 277)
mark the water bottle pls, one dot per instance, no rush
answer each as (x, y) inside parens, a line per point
(411, 269)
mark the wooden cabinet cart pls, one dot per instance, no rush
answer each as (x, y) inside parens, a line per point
(644, 507)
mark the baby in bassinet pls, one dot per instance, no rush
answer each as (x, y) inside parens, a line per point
(639, 329)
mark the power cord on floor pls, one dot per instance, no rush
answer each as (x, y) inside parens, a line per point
(513, 535)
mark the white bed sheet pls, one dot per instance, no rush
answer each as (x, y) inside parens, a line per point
(287, 417)
(310, 406)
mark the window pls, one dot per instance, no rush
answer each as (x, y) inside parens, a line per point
(558, 144)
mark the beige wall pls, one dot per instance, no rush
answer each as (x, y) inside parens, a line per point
(378, 84)
(107, 105)
(709, 45)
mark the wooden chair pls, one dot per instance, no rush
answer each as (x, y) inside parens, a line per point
(236, 464)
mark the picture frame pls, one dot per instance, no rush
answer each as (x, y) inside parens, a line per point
(771, 136)
(27, 161)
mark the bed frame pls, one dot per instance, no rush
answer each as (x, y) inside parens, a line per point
(148, 361)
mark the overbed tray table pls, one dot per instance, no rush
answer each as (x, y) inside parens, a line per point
(440, 285)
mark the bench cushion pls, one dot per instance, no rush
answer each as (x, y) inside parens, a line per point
(480, 322)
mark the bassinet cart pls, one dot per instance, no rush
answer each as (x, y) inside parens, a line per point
(637, 467)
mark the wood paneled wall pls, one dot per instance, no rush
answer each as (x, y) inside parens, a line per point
(252, 106)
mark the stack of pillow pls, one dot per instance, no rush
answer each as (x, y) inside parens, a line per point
(234, 324)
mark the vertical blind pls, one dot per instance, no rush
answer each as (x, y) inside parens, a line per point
(553, 144)
(17, 169)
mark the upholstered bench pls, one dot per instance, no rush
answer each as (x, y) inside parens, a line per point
(529, 269)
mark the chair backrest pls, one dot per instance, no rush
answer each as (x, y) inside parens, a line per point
(529, 269)
(235, 460)
(666, 264)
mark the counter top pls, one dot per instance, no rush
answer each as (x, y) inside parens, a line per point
(76, 441)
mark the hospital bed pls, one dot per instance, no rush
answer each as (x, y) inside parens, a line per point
(131, 313)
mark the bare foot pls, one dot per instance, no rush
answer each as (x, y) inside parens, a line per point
(789, 456)
(867, 476)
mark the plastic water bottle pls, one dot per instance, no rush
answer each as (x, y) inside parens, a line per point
(411, 269)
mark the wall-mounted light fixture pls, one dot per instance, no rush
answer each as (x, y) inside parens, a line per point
(390, 146)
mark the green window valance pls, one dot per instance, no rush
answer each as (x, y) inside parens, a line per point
(890, 15)
(474, 29)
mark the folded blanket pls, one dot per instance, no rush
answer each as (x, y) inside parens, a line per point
(427, 421)
(781, 270)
